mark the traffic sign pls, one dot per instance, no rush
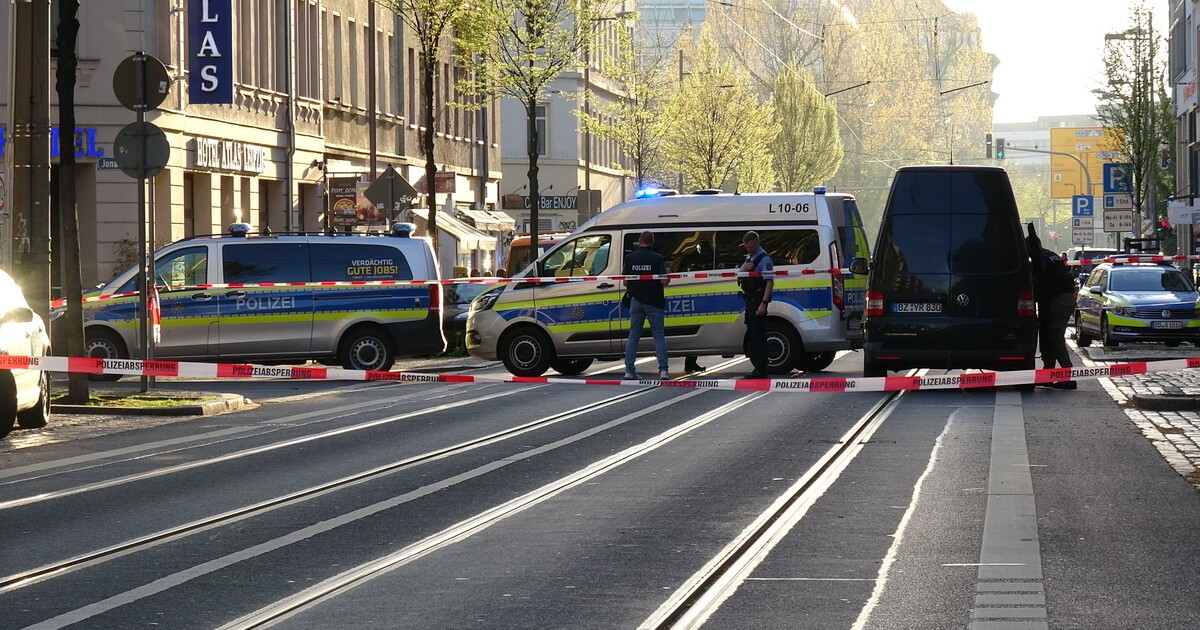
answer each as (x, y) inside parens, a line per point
(1082, 222)
(1083, 238)
(391, 189)
(1082, 205)
(1118, 178)
(135, 138)
(141, 82)
(1118, 201)
(1118, 221)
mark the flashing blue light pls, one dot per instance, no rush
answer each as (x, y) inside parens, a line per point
(646, 192)
(819, 190)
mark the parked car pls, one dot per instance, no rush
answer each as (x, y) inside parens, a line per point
(456, 309)
(1137, 302)
(950, 285)
(24, 394)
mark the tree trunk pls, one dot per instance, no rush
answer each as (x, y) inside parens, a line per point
(72, 283)
(535, 197)
(428, 74)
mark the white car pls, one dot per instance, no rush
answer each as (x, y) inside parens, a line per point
(24, 394)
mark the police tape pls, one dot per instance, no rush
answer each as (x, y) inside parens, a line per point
(963, 380)
(1129, 259)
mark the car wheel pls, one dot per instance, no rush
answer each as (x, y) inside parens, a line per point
(814, 361)
(571, 367)
(1106, 333)
(104, 344)
(784, 348)
(1082, 339)
(528, 352)
(367, 349)
(37, 416)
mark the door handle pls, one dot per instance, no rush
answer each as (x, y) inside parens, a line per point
(235, 294)
(201, 297)
(605, 285)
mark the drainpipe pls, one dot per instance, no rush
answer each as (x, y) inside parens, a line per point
(290, 212)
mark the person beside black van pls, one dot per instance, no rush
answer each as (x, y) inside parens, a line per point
(757, 293)
(1054, 288)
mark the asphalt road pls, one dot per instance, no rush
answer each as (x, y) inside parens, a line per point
(389, 505)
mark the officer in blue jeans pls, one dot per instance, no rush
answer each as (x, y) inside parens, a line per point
(647, 301)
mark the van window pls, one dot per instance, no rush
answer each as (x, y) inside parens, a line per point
(265, 262)
(951, 192)
(334, 262)
(955, 243)
(847, 222)
(584, 256)
(685, 251)
(786, 247)
(185, 267)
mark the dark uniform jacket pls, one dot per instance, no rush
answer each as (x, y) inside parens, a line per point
(644, 260)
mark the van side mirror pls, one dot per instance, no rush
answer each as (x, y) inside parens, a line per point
(859, 266)
(20, 315)
(1096, 290)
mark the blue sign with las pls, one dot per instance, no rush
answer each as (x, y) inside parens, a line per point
(1083, 206)
(210, 51)
(1118, 178)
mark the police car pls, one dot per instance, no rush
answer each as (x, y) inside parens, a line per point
(533, 327)
(359, 327)
(1137, 302)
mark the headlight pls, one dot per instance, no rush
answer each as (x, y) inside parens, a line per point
(486, 301)
(1125, 311)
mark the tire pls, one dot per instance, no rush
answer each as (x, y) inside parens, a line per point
(784, 349)
(527, 352)
(815, 361)
(37, 416)
(571, 367)
(1106, 335)
(8, 405)
(104, 344)
(1082, 339)
(367, 349)
(871, 368)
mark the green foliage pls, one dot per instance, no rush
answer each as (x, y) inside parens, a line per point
(808, 149)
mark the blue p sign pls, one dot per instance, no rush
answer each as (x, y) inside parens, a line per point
(1082, 206)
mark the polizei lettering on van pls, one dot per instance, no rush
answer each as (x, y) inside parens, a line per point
(266, 303)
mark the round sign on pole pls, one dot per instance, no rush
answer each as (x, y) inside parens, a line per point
(127, 149)
(143, 88)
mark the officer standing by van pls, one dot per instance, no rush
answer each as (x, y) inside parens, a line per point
(1054, 287)
(757, 293)
(647, 302)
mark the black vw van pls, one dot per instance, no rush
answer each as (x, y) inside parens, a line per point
(950, 284)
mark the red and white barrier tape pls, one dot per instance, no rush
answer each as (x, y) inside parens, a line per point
(1129, 259)
(965, 380)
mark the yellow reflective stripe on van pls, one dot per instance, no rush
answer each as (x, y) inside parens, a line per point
(579, 327)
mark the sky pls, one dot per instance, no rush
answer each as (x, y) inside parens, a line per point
(1050, 51)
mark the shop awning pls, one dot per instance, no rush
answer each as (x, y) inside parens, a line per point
(490, 220)
(468, 237)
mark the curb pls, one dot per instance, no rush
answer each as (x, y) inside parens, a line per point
(1161, 402)
(227, 403)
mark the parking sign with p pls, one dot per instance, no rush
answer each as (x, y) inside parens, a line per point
(1082, 206)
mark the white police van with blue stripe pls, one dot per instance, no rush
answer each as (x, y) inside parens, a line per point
(534, 327)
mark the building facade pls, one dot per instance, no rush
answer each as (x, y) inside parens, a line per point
(1182, 78)
(321, 90)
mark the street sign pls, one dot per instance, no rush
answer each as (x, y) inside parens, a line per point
(1118, 178)
(1083, 222)
(1082, 205)
(153, 89)
(107, 164)
(128, 149)
(1118, 221)
(1178, 212)
(1083, 238)
(391, 190)
(1118, 201)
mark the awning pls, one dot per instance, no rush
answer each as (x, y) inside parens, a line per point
(490, 221)
(468, 237)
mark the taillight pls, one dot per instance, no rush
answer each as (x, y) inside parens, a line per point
(1026, 306)
(874, 304)
(435, 297)
(839, 294)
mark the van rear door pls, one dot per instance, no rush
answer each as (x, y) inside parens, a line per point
(912, 273)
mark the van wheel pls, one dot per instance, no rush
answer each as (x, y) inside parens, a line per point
(784, 348)
(37, 416)
(871, 368)
(571, 367)
(367, 349)
(104, 344)
(815, 361)
(1082, 339)
(8, 404)
(528, 352)
(1106, 333)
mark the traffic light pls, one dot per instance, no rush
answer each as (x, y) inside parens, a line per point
(999, 148)
(988, 142)
(1162, 228)
(1166, 158)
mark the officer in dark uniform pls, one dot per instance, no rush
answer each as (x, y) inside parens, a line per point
(757, 293)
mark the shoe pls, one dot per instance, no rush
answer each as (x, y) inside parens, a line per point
(692, 366)
(664, 375)
(755, 375)
(1065, 385)
(632, 377)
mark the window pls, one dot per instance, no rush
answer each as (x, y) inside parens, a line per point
(950, 243)
(187, 267)
(584, 256)
(266, 262)
(540, 124)
(786, 247)
(338, 54)
(685, 251)
(352, 94)
(339, 261)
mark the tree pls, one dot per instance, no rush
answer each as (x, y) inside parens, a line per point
(715, 126)
(431, 22)
(808, 149)
(523, 45)
(68, 62)
(1133, 103)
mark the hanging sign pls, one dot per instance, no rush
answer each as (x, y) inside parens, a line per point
(210, 52)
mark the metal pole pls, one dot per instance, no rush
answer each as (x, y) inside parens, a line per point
(372, 97)
(144, 336)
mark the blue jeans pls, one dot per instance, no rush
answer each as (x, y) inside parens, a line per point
(638, 314)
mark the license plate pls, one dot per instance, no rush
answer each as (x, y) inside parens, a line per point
(917, 307)
(1166, 325)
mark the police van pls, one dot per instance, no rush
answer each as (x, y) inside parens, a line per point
(533, 327)
(359, 327)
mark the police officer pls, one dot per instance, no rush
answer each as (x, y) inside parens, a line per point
(757, 293)
(647, 302)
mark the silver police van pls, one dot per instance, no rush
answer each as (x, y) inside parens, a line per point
(359, 327)
(534, 327)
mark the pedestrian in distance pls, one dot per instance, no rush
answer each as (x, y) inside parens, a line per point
(647, 301)
(1054, 288)
(757, 293)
